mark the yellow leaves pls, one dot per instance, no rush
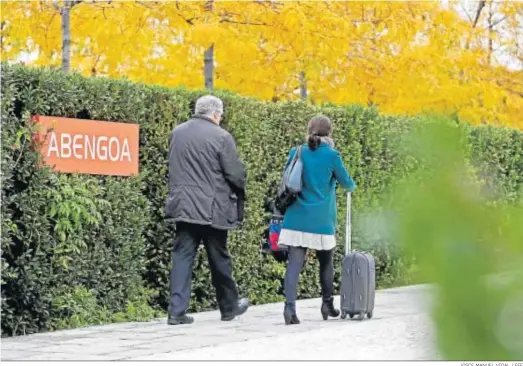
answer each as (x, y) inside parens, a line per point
(205, 34)
(404, 57)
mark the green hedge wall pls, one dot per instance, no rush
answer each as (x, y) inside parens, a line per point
(79, 249)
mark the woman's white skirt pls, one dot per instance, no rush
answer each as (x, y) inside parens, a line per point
(294, 238)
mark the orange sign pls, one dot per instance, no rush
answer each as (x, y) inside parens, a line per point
(89, 147)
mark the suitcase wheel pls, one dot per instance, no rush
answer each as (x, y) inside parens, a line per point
(351, 315)
(344, 315)
(369, 315)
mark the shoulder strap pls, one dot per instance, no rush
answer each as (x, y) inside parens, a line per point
(298, 152)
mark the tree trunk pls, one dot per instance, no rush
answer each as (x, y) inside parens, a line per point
(208, 56)
(303, 86)
(2, 27)
(208, 67)
(65, 13)
(490, 35)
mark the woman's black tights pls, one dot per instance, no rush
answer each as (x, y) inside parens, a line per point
(294, 266)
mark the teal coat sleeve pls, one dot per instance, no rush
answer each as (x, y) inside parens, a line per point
(342, 176)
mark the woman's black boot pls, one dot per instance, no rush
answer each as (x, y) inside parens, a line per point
(289, 314)
(328, 309)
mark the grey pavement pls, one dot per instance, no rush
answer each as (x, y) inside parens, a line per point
(401, 329)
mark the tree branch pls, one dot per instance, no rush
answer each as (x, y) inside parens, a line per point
(108, 5)
(56, 6)
(142, 3)
(497, 22)
(481, 5)
(188, 21)
(209, 5)
(245, 23)
(508, 88)
(514, 92)
(466, 12)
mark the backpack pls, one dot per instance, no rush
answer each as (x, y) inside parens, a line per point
(271, 237)
(291, 183)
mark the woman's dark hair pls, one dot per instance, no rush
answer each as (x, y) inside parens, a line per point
(319, 126)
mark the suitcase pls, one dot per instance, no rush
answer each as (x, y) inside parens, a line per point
(358, 278)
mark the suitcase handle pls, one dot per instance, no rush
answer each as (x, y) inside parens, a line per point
(348, 233)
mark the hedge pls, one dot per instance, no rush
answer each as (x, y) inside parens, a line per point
(79, 249)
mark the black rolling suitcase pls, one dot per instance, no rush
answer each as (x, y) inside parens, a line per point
(358, 278)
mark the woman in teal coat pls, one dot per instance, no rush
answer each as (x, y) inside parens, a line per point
(309, 223)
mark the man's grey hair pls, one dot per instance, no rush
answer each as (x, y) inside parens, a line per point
(207, 105)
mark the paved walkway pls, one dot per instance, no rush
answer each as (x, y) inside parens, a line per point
(400, 330)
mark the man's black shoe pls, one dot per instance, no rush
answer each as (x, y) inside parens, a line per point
(178, 320)
(243, 305)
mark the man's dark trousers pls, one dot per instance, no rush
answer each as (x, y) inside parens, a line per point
(187, 240)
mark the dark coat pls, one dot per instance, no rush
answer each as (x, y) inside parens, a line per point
(206, 176)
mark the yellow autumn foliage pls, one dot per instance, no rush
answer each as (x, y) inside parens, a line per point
(403, 57)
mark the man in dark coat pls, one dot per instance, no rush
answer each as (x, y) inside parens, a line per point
(206, 192)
